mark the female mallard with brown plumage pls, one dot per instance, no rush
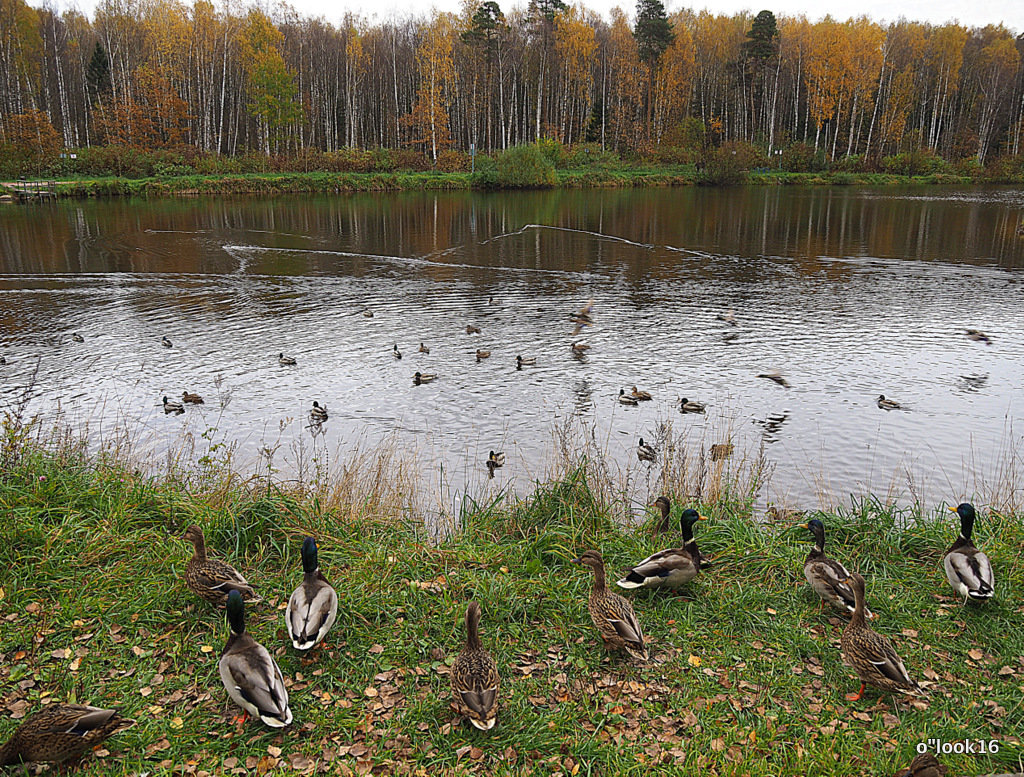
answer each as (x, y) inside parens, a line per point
(669, 568)
(613, 615)
(61, 732)
(871, 655)
(924, 765)
(640, 396)
(968, 569)
(313, 606)
(210, 578)
(474, 677)
(826, 575)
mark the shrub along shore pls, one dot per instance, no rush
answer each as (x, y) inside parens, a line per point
(745, 677)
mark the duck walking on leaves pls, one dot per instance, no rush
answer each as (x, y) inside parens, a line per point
(968, 569)
(250, 675)
(826, 575)
(474, 677)
(61, 732)
(669, 568)
(210, 578)
(613, 615)
(313, 606)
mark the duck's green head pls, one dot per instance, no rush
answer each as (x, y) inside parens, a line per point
(309, 556)
(236, 613)
(967, 516)
(688, 520)
(817, 528)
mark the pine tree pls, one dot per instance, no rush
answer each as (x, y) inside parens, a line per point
(653, 35)
(97, 73)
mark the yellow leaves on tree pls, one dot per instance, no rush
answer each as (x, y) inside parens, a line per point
(575, 48)
(427, 124)
(673, 81)
(626, 78)
(273, 94)
(29, 137)
(155, 117)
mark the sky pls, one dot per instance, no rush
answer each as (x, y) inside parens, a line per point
(976, 14)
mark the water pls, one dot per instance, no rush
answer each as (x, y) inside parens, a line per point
(848, 292)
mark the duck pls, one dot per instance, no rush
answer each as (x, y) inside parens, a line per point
(173, 407)
(165, 342)
(286, 361)
(580, 348)
(494, 461)
(3, 360)
(721, 450)
(472, 330)
(775, 377)
(645, 452)
(313, 606)
(212, 579)
(871, 655)
(826, 576)
(318, 414)
(422, 377)
(978, 336)
(669, 568)
(61, 732)
(192, 399)
(626, 399)
(474, 677)
(612, 614)
(395, 352)
(888, 404)
(968, 569)
(640, 396)
(529, 361)
(689, 406)
(250, 675)
(664, 504)
(367, 314)
(729, 318)
(481, 354)
(424, 349)
(924, 765)
(77, 338)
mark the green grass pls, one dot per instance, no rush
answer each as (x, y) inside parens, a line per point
(746, 676)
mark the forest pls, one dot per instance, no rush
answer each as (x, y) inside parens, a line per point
(201, 84)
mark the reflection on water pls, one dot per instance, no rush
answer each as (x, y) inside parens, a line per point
(847, 292)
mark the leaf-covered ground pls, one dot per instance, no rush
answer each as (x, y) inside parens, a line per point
(745, 676)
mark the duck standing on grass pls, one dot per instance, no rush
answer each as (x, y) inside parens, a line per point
(61, 732)
(968, 569)
(250, 675)
(669, 568)
(827, 577)
(210, 578)
(313, 606)
(474, 677)
(924, 765)
(613, 615)
(870, 654)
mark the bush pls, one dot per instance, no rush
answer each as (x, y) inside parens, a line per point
(849, 164)
(553, 151)
(449, 161)
(1004, 169)
(721, 167)
(486, 175)
(525, 167)
(592, 155)
(802, 158)
(671, 155)
(918, 162)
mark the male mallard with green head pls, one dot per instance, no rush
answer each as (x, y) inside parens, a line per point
(888, 404)
(826, 575)
(871, 655)
(61, 732)
(626, 399)
(313, 606)
(419, 378)
(173, 407)
(669, 568)
(968, 569)
(249, 673)
(286, 361)
(210, 578)
(645, 452)
(319, 413)
(474, 677)
(689, 406)
(613, 615)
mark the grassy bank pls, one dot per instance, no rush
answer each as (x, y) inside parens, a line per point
(746, 676)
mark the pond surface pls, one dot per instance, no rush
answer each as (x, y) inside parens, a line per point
(847, 292)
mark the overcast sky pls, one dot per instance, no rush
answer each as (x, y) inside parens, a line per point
(975, 14)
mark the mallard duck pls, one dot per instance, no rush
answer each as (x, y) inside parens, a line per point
(826, 575)
(3, 360)
(250, 676)
(888, 404)
(313, 606)
(423, 377)
(210, 578)
(645, 452)
(60, 732)
(529, 361)
(481, 354)
(665, 505)
(173, 407)
(77, 338)
(640, 396)
(689, 406)
(367, 314)
(968, 569)
(580, 349)
(165, 342)
(494, 461)
(472, 330)
(626, 399)
(613, 615)
(474, 677)
(979, 337)
(669, 568)
(318, 414)
(721, 450)
(395, 352)
(775, 377)
(192, 399)
(924, 765)
(870, 654)
(424, 349)
(286, 361)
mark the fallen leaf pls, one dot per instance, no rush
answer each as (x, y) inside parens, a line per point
(371, 692)
(377, 649)
(693, 660)
(176, 723)
(975, 653)
(207, 648)
(274, 751)
(718, 744)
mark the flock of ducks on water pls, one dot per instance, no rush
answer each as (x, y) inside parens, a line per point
(253, 680)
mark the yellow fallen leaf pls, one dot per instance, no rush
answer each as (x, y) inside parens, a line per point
(75, 664)
(694, 660)
(176, 723)
(274, 751)
(2, 594)
(207, 648)
(371, 691)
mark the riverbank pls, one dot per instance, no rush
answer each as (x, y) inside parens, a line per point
(745, 676)
(339, 183)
